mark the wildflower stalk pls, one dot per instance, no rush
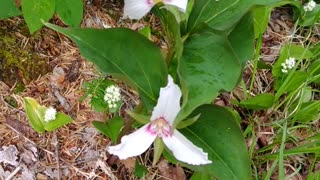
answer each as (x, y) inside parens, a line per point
(129, 121)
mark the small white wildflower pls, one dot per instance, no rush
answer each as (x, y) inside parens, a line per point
(309, 6)
(112, 96)
(284, 65)
(284, 70)
(288, 64)
(50, 114)
(291, 62)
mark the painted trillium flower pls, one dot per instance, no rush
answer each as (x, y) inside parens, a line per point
(163, 115)
(136, 9)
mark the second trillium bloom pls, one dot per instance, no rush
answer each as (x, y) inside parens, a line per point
(163, 115)
(136, 9)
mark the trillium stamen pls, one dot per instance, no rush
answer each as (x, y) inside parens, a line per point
(160, 125)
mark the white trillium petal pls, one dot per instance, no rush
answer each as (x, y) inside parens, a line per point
(133, 144)
(184, 150)
(168, 105)
(181, 4)
(136, 9)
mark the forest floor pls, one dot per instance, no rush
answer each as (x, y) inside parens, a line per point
(54, 73)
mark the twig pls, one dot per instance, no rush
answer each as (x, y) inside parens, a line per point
(63, 101)
(14, 173)
(56, 145)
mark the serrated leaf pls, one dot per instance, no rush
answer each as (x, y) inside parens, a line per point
(123, 52)
(218, 134)
(61, 120)
(34, 11)
(8, 9)
(111, 128)
(70, 11)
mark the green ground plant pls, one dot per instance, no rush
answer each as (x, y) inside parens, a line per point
(209, 45)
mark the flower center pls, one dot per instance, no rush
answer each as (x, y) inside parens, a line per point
(159, 127)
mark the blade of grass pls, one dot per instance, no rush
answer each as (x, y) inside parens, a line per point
(271, 170)
(281, 152)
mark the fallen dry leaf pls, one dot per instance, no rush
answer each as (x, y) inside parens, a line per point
(9, 155)
(170, 172)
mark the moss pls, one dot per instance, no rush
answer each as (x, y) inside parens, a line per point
(11, 101)
(18, 65)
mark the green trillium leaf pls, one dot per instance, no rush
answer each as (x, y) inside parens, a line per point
(126, 54)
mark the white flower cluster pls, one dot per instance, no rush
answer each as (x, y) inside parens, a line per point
(112, 96)
(288, 64)
(309, 6)
(50, 114)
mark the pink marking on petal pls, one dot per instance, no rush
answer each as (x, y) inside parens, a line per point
(150, 2)
(159, 127)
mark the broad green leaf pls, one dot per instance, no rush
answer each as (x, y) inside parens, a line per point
(35, 113)
(8, 9)
(139, 170)
(242, 39)
(70, 11)
(218, 134)
(261, 16)
(309, 111)
(222, 15)
(34, 11)
(259, 102)
(200, 176)
(290, 83)
(143, 119)
(111, 128)
(146, 31)
(125, 54)
(208, 66)
(290, 50)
